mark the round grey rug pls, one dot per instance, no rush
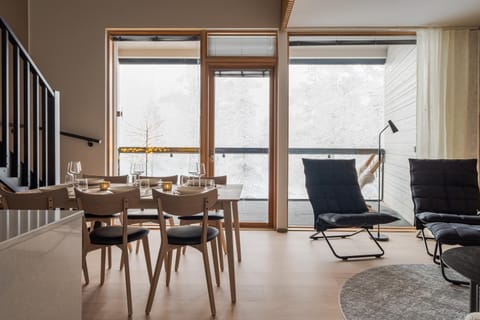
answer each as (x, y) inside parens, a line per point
(405, 291)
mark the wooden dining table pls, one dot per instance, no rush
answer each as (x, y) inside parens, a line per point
(228, 197)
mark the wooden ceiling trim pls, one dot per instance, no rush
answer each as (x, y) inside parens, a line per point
(287, 6)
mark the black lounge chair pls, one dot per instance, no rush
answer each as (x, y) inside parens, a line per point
(333, 190)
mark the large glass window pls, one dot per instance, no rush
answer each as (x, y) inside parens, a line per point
(342, 90)
(158, 106)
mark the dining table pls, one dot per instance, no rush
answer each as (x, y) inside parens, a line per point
(228, 197)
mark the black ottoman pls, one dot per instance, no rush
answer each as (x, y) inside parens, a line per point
(455, 233)
(452, 234)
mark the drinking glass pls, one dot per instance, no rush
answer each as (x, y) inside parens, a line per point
(144, 186)
(69, 182)
(82, 184)
(193, 169)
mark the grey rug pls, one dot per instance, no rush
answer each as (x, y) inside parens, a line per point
(405, 291)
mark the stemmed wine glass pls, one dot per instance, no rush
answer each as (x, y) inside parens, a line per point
(136, 169)
(201, 171)
(197, 170)
(74, 168)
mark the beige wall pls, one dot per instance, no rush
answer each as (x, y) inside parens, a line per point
(68, 45)
(15, 13)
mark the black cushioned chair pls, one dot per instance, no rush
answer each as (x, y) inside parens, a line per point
(446, 200)
(196, 236)
(106, 236)
(337, 201)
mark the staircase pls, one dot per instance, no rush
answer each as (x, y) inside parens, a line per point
(29, 119)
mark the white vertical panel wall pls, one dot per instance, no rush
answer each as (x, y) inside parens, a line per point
(400, 107)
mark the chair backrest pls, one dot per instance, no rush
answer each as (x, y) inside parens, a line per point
(35, 199)
(185, 205)
(106, 204)
(174, 178)
(112, 179)
(218, 179)
(445, 186)
(332, 186)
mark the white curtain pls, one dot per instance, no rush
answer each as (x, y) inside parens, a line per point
(447, 93)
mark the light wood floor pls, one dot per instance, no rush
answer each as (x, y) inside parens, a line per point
(282, 276)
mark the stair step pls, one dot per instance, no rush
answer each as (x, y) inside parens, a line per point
(11, 182)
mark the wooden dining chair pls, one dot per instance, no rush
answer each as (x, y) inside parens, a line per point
(112, 235)
(215, 219)
(150, 216)
(37, 199)
(112, 179)
(196, 236)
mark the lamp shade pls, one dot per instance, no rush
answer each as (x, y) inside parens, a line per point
(392, 126)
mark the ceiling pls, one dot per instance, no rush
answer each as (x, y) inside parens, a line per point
(384, 13)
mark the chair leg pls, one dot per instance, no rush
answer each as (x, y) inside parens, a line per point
(85, 268)
(156, 276)
(215, 253)
(127, 279)
(343, 236)
(221, 237)
(425, 238)
(148, 260)
(438, 247)
(343, 257)
(110, 222)
(109, 254)
(137, 249)
(102, 266)
(177, 258)
(137, 246)
(171, 222)
(168, 267)
(437, 253)
(208, 276)
(220, 252)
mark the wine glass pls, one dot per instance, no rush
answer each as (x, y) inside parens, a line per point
(74, 168)
(201, 169)
(136, 169)
(201, 173)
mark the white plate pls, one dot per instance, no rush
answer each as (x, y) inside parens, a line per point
(189, 189)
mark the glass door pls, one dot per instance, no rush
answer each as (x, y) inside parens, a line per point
(240, 137)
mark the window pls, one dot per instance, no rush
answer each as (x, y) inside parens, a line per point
(342, 90)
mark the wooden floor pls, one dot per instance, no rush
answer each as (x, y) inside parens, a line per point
(282, 276)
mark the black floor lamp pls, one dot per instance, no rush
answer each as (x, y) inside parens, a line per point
(379, 236)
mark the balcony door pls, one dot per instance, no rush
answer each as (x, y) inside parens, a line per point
(240, 136)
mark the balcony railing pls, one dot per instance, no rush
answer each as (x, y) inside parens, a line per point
(225, 151)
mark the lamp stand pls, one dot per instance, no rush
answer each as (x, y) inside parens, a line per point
(377, 235)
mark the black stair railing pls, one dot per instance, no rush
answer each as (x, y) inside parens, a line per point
(30, 104)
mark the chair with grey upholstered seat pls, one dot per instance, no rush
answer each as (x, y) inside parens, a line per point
(196, 236)
(215, 219)
(107, 236)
